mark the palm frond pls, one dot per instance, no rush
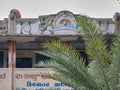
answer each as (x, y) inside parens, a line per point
(69, 66)
(115, 64)
(95, 48)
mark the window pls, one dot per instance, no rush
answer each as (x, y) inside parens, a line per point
(1, 59)
(23, 62)
(41, 58)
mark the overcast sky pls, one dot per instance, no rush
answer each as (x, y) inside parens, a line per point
(34, 8)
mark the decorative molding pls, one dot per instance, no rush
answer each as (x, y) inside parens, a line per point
(26, 28)
(3, 27)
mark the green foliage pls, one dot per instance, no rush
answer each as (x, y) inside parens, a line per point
(103, 70)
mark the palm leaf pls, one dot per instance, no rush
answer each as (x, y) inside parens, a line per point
(96, 49)
(115, 64)
(69, 66)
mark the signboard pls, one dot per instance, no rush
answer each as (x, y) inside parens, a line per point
(29, 79)
(5, 79)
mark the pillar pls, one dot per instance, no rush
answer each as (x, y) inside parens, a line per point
(12, 60)
(11, 54)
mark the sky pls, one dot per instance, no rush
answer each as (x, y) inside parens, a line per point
(35, 8)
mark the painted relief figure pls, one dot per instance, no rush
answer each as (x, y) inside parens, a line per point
(42, 26)
(45, 24)
(65, 23)
(64, 20)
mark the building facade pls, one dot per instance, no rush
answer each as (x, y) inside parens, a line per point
(20, 37)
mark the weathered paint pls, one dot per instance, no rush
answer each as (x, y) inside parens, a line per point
(10, 54)
(14, 54)
(11, 60)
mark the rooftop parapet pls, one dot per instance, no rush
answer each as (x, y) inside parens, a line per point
(62, 23)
